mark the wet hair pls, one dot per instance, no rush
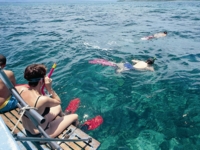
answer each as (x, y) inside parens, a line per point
(150, 61)
(165, 32)
(34, 73)
(2, 60)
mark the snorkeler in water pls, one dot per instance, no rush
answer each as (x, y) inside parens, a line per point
(157, 35)
(120, 67)
(138, 65)
(162, 34)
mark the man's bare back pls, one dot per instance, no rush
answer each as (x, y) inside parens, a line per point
(4, 92)
(7, 101)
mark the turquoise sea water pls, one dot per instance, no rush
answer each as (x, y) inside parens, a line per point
(141, 110)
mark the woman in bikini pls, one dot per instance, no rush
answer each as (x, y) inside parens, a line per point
(48, 107)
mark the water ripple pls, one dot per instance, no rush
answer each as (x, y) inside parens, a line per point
(159, 109)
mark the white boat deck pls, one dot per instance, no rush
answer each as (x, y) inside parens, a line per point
(11, 118)
(6, 138)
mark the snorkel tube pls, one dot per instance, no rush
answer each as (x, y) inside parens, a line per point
(49, 75)
(153, 59)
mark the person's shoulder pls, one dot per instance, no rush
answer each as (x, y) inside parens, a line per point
(141, 62)
(135, 60)
(21, 88)
(9, 72)
(11, 76)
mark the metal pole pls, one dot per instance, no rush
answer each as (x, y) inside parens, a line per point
(19, 138)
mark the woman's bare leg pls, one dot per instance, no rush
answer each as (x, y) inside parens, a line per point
(54, 112)
(59, 124)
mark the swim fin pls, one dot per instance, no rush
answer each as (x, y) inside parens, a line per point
(102, 62)
(73, 106)
(92, 123)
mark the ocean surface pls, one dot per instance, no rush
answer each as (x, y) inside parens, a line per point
(142, 110)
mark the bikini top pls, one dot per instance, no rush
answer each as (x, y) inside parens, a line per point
(46, 110)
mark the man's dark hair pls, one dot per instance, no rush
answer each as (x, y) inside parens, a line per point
(2, 60)
(150, 61)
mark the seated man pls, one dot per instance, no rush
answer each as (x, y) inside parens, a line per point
(7, 101)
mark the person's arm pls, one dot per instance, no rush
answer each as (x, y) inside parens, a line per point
(48, 82)
(50, 101)
(11, 76)
(13, 80)
(150, 68)
(54, 95)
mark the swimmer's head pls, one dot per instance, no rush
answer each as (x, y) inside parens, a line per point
(150, 61)
(165, 32)
(2, 61)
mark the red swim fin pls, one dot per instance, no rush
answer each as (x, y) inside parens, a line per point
(73, 106)
(94, 122)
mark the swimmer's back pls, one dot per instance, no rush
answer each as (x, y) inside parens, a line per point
(140, 65)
